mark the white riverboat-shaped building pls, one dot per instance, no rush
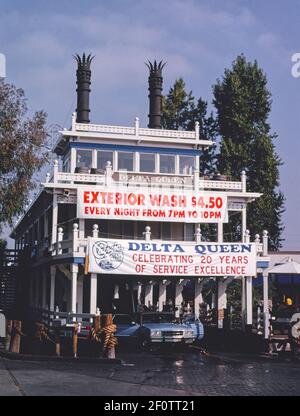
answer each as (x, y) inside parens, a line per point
(120, 221)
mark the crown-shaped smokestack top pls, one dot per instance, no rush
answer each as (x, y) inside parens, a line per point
(155, 93)
(83, 75)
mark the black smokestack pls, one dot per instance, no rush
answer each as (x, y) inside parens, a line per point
(155, 98)
(83, 81)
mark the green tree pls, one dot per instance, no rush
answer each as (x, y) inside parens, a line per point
(243, 104)
(181, 111)
(23, 150)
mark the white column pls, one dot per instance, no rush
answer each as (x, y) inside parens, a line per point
(73, 160)
(213, 300)
(52, 287)
(149, 294)
(60, 236)
(222, 300)
(93, 293)
(220, 232)
(162, 294)
(139, 293)
(245, 286)
(178, 297)
(79, 294)
(54, 218)
(266, 304)
(81, 228)
(249, 317)
(74, 272)
(244, 220)
(198, 297)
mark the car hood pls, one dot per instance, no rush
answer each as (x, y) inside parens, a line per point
(166, 327)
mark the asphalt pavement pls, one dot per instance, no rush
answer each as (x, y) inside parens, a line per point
(160, 373)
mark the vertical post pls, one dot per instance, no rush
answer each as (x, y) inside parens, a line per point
(75, 237)
(220, 232)
(197, 130)
(95, 231)
(93, 293)
(244, 221)
(60, 236)
(222, 301)
(16, 337)
(57, 341)
(54, 219)
(265, 243)
(149, 294)
(162, 294)
(52, 287)
(55, 171)
(178, 298)
(139, 294)
(74, 115)
(245, 288)
(257, 242)
(147, 233)
(108, 173)
(136, 126)
(81, 228)
(198, 236)
(75, 340)
(266, 313)
(244, 181)
(74, 272)
(249, 312)
(198, 297)
(73, 160)
(196, 180)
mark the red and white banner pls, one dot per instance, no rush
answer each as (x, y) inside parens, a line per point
(146, 204)
(136, 257)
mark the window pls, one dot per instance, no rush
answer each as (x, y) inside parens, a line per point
(147, 162)
(166, 230)
(186, 165)
(167, 164)
(84, 158)
(125, 161)
(103, 157)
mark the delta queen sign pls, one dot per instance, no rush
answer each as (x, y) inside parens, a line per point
(134, 257)
(151, 204)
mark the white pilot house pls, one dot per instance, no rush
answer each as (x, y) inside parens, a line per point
(118, 225)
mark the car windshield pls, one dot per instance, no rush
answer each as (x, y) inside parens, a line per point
(157, 318)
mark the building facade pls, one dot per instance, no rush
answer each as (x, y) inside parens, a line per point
(118, 189)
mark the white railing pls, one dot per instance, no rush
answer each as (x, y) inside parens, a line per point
(223, 185)
(109, 177)
(136, 130)
(78, 246)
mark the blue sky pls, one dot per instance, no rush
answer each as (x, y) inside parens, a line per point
(197, 38)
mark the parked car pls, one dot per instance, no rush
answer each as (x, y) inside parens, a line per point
(162, 327)
(195, 324)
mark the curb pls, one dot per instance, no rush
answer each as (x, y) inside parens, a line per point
(27, 357)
